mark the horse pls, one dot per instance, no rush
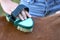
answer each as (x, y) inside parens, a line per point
(46, 28)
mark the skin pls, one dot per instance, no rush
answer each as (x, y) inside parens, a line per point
(8, 6)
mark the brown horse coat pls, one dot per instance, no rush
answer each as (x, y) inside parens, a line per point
(47, 28)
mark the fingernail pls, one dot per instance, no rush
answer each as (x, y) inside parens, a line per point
(22, 19)
(30, 16)
(25, 18)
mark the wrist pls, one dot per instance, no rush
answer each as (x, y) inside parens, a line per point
(4, 1)
(8, 6)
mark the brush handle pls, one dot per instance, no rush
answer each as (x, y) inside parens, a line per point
(19, 9)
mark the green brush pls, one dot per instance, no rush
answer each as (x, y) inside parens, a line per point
(24, 26)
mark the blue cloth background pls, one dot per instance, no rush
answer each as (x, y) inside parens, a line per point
(41, 8)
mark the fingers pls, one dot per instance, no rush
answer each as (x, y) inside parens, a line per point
(21, 17)
(28, 14)
(24, 14)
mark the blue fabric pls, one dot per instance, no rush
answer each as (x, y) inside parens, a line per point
(41, 8)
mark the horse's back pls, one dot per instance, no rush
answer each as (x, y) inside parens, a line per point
(47, 28)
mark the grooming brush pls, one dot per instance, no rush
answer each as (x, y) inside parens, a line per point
(22, 25)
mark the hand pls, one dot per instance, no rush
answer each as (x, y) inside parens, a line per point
(24, 14)
(9, 6)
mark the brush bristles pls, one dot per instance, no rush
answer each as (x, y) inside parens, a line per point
(7, 19)
(24, 29)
